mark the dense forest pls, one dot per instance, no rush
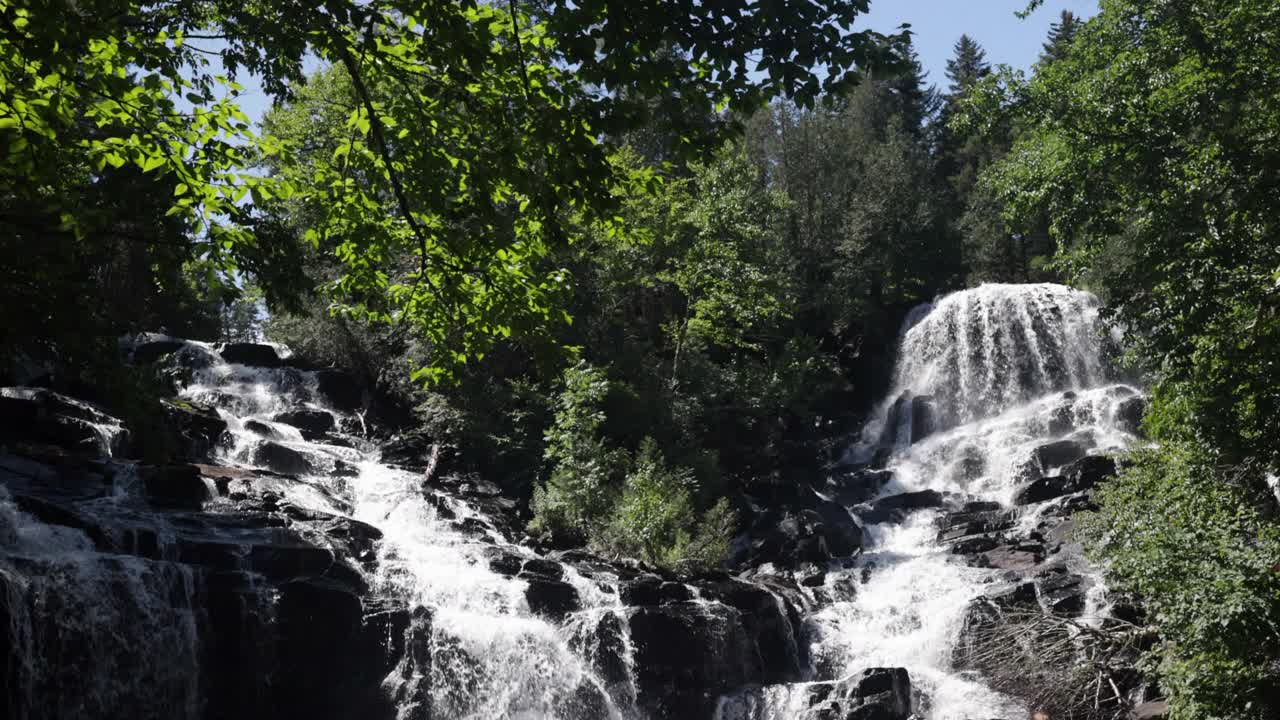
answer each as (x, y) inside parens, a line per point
(634, 264)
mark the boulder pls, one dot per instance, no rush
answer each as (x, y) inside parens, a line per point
(503, 561)
(686, 655)
(923, 418)
(551, 598)
(312, 423)
(896, 507)
(873, 694)
(1081, 474)
(1018, 558)
(174, 486)
(1057, 453)
(787, 538)
(768, 617)
(840, 530)
(653, 590)
(254, 354)
(414, 450)
(281, 459)
(892, 421)
(150, 348)
(542, 568)
(1061, 592)
(340, 390)
(1129, 413)
(851, 487)
(261, 429)
(38, 415)
(197, 428)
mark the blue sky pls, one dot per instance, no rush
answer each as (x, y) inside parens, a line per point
(937, 24)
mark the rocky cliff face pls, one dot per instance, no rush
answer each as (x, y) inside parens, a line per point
(300, 563)
(306, 558)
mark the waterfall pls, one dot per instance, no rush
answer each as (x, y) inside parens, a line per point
(994, 387)
(491, 655)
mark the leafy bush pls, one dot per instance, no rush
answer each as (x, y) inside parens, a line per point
(654, 520)
(643, 508)
(1186, 536)
(585, 472)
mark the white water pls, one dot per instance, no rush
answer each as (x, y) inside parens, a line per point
(491, 656)
(1007, 368)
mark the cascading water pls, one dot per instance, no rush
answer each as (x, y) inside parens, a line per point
(984, 378)
(491, 656)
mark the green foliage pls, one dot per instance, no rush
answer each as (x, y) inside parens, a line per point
(1203, 559)
(585, 472)
(1148, 149)
(967, 67)
(1061, 34)
(460, 139)
(650, 515)
(1168, 207)
(654, 520)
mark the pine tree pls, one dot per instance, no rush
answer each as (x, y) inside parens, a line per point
(917, 102)
(968, 66)
(1061, 34)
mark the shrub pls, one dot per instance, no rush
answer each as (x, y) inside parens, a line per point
(585, 472)
(1186, 536)
(654, 519)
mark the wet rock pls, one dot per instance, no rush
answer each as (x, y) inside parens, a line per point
(923, 420)
(503, 561)
(197, 428)
(543, 568)
(956, 525)
(254, 354)
(1129, 413)
(281, 459)
(896, 507)
(151, 348)
(605, 647)
(840, 530)
(970, 465)
(686, 655)
(174, 486)
(893, 420)
(340, 390)
(1061, 592)
(873, 694)
(851, 487)
(1057, 453)
(329, 661)
(312, 423)
(1076, 476)
(414, 450)
(551, 598)
(769, 620)
(344, 470)
(262, 429)
(653, 590)
(37, 415)
(1089, 471)
(1062, 419)
(787, 539)
(974, 544)
(1009, 557)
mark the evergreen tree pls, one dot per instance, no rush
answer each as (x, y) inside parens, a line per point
(918, 102)
(1061, 34)
(967, 67)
